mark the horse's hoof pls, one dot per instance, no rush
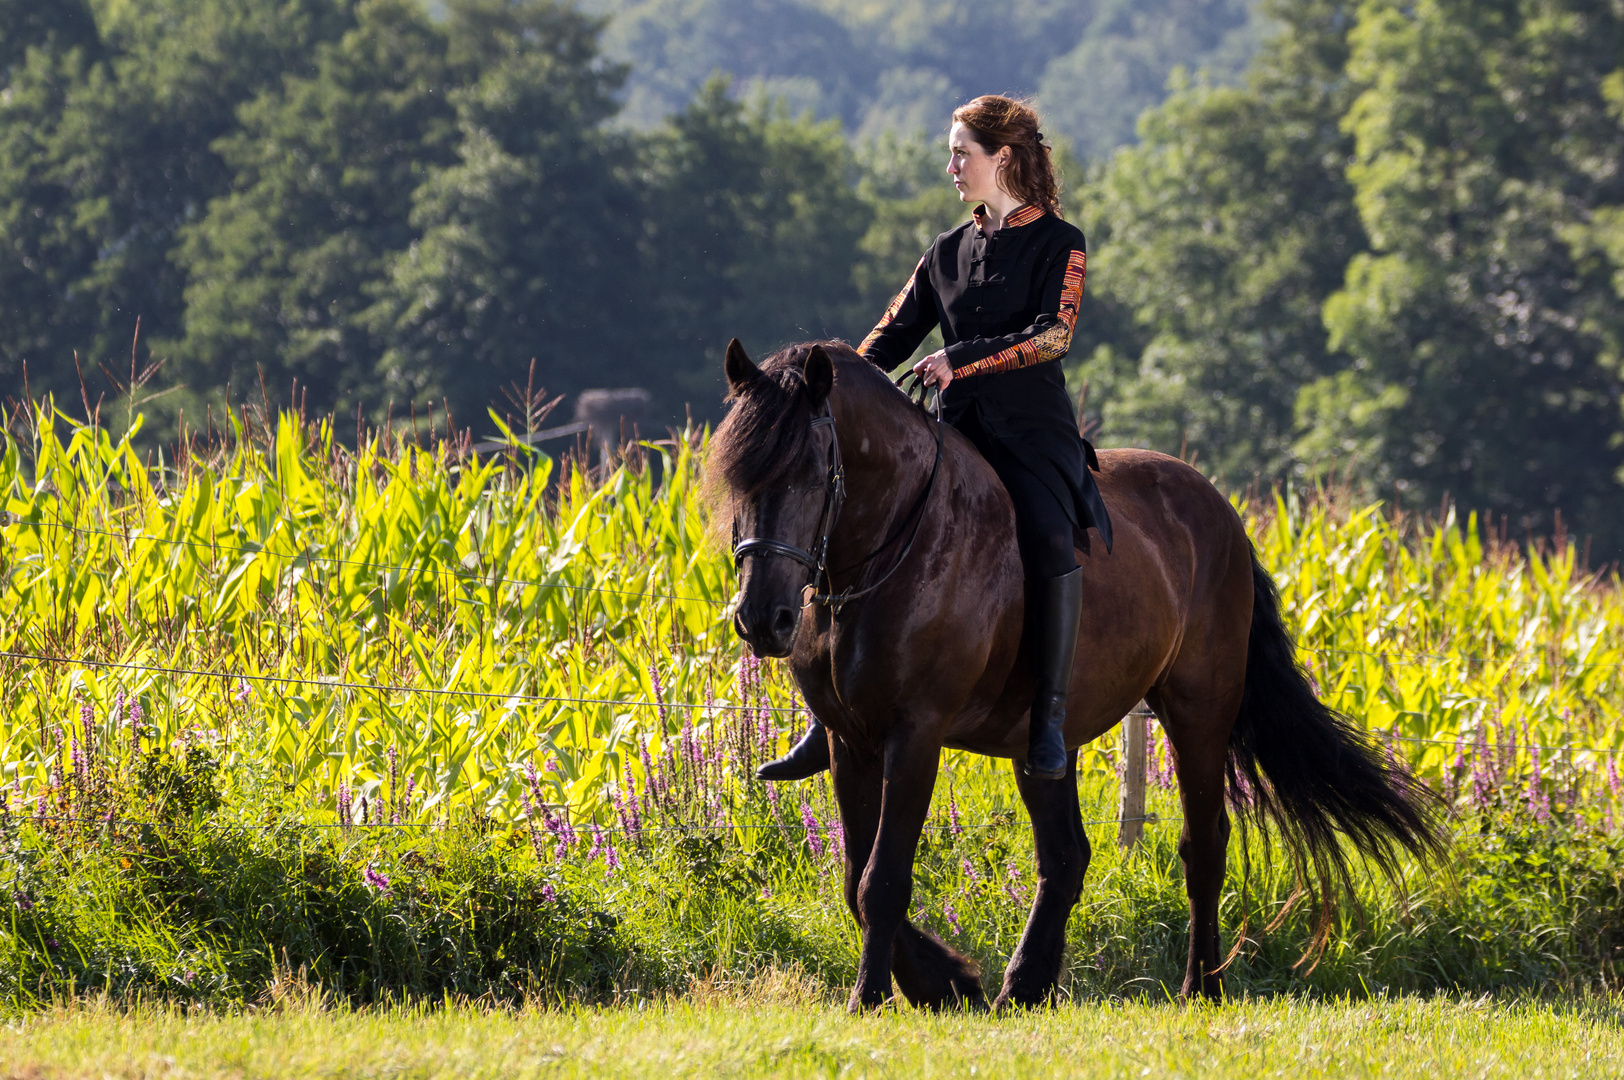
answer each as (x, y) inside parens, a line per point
(1209, 990)
(1009, 1000)
(860, 1002)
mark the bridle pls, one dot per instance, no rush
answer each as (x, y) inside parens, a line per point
(834, 496)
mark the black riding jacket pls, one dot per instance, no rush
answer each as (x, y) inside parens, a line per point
(1007, 304)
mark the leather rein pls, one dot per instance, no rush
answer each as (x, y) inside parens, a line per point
(834, 496)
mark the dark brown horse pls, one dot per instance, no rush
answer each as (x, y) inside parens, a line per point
(1179, 613)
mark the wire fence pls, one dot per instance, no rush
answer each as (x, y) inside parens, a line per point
(336, 683)
(583, 830)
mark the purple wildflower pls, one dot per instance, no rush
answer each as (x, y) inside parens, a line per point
(814, 839)
(626, 809)
(134, 718)
(116, 717)
(344, 815)
(953, 824)
(374, 880)
(76, 761)
(970, 871)
(1538, 802)
(597, 843)
(1482, 771)
(952, 917)
(548, 896)
(1014, 888)
(242, 689)
(772, 797)
(1457, 768)
(659, 696)
(23, 901)
(647, 759)
(749, 675)
(611, 857)
(394, 787)
(565, 833)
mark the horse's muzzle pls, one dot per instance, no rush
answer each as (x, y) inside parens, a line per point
(769, 629)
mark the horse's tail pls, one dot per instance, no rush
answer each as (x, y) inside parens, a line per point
(1312, 772)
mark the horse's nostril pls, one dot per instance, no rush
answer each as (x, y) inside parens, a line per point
(783, 623)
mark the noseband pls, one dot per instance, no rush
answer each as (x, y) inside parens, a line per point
(834, 496)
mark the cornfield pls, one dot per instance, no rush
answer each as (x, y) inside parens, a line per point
(480, 629)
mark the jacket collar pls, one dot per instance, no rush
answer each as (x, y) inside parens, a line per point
(1023, 215)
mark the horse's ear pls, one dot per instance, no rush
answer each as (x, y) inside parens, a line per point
(741, 370)
(819, 371)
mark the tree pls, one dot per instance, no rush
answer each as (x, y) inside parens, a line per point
(1482, 331)
(106, 151)
(1216, 241)
(755, 226)
(528, 242)
(323, 171)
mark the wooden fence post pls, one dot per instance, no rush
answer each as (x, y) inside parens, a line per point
(1131, 818)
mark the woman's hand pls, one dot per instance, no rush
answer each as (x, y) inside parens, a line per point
(935, 370)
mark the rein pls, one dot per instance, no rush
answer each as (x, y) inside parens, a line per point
(834, 496)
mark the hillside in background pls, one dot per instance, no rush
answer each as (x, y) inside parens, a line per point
(902, 65)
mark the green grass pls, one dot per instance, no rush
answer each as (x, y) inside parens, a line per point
(781, 1027)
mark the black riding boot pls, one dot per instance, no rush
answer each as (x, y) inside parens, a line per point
(808, 757)
(1059, 604)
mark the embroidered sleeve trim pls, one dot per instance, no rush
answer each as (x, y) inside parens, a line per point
(890, 312)
(1050, 344)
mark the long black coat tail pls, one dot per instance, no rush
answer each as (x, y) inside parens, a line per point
(1312, 772)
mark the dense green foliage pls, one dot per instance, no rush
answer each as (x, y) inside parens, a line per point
(363, 205)
(412, 724)
(1393, 254)
(1393, 251)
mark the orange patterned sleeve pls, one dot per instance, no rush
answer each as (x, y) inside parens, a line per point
(911, 315)
(1049, 343)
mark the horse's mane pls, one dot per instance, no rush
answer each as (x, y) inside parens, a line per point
(765, 436)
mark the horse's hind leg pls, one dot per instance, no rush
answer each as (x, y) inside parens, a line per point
(1062, 858)
(1199, 731)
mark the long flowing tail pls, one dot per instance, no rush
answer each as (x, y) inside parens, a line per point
(1312, 772)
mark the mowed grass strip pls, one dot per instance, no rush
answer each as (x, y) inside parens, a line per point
(725, 1035)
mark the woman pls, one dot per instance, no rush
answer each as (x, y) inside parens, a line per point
(1005, 287)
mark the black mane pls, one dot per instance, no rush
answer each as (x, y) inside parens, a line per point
(767, 433)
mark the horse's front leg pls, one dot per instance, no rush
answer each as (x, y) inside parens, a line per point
(884, 798)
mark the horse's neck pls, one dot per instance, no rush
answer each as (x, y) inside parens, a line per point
(888, 450)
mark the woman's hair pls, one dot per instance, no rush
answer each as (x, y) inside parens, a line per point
(997, 121)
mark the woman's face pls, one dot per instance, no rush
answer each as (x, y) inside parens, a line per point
(974, 171)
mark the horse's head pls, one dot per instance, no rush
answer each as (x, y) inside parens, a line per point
(777, 461)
